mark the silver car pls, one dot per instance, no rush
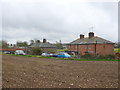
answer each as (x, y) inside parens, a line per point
(19, 52)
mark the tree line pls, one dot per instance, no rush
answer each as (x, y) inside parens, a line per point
(4, 44)
(24, 44)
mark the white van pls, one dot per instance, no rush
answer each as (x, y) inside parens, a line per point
(19, 52)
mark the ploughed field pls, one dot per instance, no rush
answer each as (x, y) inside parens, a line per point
(32, 72)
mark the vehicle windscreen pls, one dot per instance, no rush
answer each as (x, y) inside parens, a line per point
(66, 54)
(19, 51)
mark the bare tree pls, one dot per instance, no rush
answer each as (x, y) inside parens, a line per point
(4, 44)
(32, 42)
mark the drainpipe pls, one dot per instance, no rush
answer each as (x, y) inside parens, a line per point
(70, 47)
(77, 49)
(87, 47)
(95, 46)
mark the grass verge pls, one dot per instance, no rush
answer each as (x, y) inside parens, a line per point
(65, 58)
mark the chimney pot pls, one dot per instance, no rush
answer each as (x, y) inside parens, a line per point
(91, 34)
(44, 40)
(81, 36)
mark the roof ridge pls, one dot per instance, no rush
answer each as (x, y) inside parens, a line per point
(91, 40)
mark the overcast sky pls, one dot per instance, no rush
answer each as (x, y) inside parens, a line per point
(58, 20)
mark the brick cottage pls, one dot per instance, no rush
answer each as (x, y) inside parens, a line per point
(91, 44)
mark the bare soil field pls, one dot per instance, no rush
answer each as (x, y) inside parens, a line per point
(31, 72)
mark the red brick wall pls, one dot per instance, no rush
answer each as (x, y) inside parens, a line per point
(101, 49)
(73, 47)
(105, 49)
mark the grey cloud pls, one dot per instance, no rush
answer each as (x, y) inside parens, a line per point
(64, 21)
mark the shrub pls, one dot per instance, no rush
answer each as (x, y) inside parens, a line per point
(106, 57)
(91, 56)
(36, 51)
(110, 56)
(87, 56)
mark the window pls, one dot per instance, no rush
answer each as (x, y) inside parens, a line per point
(87, 47)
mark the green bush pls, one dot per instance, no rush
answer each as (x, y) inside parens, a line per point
(87, 56)
(91, 56)
(106, 57)
(110, 56)
(36, 51)
(99, 56)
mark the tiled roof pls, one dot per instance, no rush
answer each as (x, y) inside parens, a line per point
(43, 45)
(92, 40)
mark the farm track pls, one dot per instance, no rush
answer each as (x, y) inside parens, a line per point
(31, 72)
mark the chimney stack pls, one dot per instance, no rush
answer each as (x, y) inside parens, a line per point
(44, 40)
(81, 36)
(91, 34)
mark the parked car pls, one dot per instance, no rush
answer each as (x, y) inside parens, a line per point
(45, 54)
(63, 55)
(20, 52)
(51, 54)
(7, 52)
(54, 55)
